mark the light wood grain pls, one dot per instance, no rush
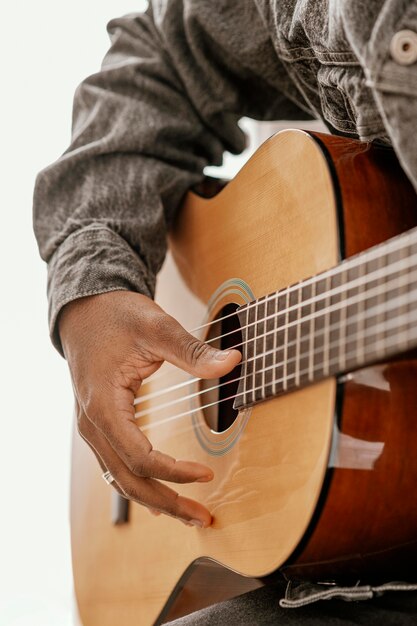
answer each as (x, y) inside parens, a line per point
(273, 225)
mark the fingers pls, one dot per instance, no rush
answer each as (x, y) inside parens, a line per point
(143, 490)
(200, 359)
(81, 420)
(139, 337)
(118, 425)
(105, 469)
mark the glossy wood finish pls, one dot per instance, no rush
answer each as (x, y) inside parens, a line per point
(204, 583)
(366, 526)
(370, 536)
(275, 224)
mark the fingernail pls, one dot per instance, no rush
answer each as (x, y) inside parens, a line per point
(221, 355)
(204, 479)
(197, 522)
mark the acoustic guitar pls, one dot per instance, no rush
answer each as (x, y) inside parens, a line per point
(306, 261)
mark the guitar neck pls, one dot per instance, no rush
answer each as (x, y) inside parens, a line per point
(362, 311)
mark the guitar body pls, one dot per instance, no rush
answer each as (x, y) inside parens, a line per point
(316, 482)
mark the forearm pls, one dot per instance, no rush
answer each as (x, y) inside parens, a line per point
(165, 104)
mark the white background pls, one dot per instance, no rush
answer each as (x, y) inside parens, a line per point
(47, 48)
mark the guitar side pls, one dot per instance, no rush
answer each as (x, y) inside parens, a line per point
(365, 526)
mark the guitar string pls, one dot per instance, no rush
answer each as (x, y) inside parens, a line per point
(200, 408)
(372, 312)
(339, 290)
(347, 302)
(399, 243)
(393, 323)
(396, 244)
(353, 300)
(383, 327)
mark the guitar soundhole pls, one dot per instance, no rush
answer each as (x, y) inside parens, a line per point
(218, 395)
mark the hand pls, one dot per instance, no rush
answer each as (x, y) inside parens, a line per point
(112, 342)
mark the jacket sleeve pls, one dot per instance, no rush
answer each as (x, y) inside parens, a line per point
(384, 37)
(165, 104)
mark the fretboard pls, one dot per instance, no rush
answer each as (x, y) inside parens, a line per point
(359, 312)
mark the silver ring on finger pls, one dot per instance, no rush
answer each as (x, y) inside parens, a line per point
(108, 477)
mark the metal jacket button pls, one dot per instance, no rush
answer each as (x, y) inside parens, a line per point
(403, 47)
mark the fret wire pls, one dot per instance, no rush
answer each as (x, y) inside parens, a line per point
(404, 300)
(412, 337)
(270, 358)
(250, 365)
(352, 300)
(343, 289)
(263, 356)
(297, 345)
(342, 339)
(275, 341)
(304, 335)
(392, 344)
(372, 302)
(326, 329)
(360, 351)
(253, 358)
(198, 393)
(245, 377)
(325, 350)
(391, 304)
(255, 341)
(411, 323)
(312, 334)
(292, 333)
(319, 324)
(334, 317)
(392, 323)
(280, 343)
(380, 265)
(403, 240)
(311, 317)
(287, 300)
(261, 340)
(402, 290)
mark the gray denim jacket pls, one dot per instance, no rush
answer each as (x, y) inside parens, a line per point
(167, 101)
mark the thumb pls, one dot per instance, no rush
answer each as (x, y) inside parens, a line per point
(194, 356)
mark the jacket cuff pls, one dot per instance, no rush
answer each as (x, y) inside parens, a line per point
(91, 261)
